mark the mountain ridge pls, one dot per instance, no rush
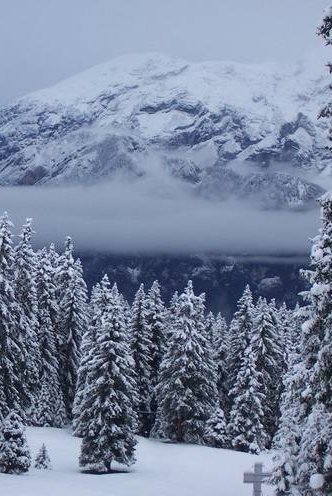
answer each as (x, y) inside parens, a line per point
(195, 119)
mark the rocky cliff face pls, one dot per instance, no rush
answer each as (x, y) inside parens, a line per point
(222, 128)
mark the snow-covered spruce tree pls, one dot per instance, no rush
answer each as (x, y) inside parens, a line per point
(54, 257)
(156, 320)
(42, 460)
(14, 451)
(187, 393)
(94, 297)
(50, 408)
(286, 440)
(316, 357)
(209, 326)
(282, 333)
(314, 458)
(108, 406)
(25, 288)
(170, 318)
(74, 323)
(142, 345)
(215, 434)
(155, 310)
(13, 391)
(100, 300)
(314, 450)
(284, 317)
(246, 429)
(268, 357)
(220, 349)
(72, 320)
(240, 331)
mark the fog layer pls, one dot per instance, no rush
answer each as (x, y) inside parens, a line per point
(157, 218)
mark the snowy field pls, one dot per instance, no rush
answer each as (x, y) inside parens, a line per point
(161, 470)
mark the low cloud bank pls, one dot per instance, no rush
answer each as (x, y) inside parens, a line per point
(147, 217)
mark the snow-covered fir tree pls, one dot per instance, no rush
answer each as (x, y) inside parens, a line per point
(25, 289)
(315, 454)
(74, 322)
(94, 297)
(101, 297)
(209, 326)
(268, 358)
(108, 405)
(220, 349)
(14, 393)
(246, 421)
(187, 393)
(284, 318)
(216, 434)
(142, 346)
(14, 451)
(170, 318)
(156, 321)
(286, 439)
(42, 460)
(240, 331)
(50, 408)
(315, 450)
(284, 339)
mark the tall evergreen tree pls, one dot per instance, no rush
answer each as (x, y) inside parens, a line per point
(13, 392)
(108, 403)
(101, 298)
(141, 344)
(53, 256)
(246, 422)
(187, 393)
(286, 440)
(220, 351)
(25, 289)
(68, 339)
(284, 317)
(316, 357)
(240, 331)
(155, 315)
(50, 408)
(170, 318)
(210, 324)
(74, 324)
(14, 451)
(268, 356)
(156, 321)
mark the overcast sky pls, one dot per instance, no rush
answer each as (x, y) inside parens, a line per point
(43, 41)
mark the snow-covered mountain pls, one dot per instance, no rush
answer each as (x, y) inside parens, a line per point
(221, 127)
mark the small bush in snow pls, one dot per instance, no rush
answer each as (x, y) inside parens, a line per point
(42, 460)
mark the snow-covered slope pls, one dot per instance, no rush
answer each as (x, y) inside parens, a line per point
(161, 470)
(142, 112)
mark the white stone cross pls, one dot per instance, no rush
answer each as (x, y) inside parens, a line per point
(257, 477)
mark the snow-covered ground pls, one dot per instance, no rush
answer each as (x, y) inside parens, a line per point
(161, 470)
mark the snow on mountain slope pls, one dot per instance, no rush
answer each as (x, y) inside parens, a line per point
(161, 470)
(191, 120)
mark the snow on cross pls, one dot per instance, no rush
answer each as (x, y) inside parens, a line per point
(257, 478)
